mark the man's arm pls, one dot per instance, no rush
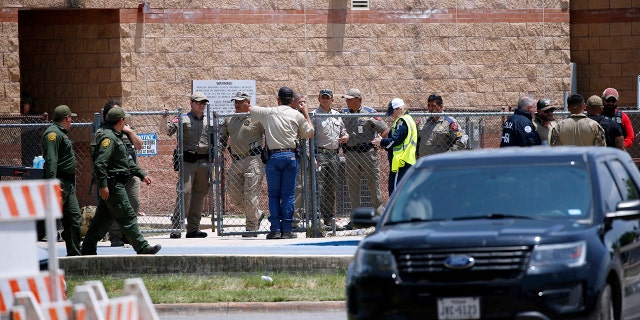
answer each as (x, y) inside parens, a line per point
(133, 137)
(628, 130)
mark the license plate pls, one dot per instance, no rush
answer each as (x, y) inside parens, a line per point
(459, 308)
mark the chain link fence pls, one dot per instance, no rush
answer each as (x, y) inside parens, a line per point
(21, 139)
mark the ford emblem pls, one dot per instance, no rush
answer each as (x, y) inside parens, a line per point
(459, 262)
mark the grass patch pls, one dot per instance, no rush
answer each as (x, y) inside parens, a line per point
(228, 287)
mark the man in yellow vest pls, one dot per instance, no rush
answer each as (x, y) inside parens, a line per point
(401, 144)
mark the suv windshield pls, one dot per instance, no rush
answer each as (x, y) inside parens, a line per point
(525, 191)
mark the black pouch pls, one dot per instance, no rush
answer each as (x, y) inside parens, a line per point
(190, 156)
(264, 154)
(176, 161)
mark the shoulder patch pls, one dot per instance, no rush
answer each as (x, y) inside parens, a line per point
(106, 142)
(453, 126)
(52, 136)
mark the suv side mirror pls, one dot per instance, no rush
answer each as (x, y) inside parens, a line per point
(364, 218)
(626, 210)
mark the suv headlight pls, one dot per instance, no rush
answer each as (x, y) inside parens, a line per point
(566, 254)
(375, 261)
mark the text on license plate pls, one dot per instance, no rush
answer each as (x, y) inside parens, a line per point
(459, 308)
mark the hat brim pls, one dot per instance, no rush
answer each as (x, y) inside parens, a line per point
(608, 97)
(349, 97)
(239, 99)
(326, 94)
(547, 108)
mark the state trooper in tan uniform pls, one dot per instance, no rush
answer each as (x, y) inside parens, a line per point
(438, 134)
(244, 138)
(360, 155)
(195, 168)
(577, 129)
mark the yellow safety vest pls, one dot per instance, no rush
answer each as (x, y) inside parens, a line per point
(406, 152)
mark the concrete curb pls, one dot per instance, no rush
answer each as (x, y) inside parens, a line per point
(199, 264)
(230, 307)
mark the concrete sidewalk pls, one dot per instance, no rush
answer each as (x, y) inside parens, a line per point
(215, 254)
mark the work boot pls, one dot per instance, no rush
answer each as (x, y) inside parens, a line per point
(274, 235)
(288, 235)
(196, 234)
(117, 242)
(150, 249)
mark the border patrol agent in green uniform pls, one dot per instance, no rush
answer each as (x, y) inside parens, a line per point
(132, 142)
(113, 168)
(60, 163)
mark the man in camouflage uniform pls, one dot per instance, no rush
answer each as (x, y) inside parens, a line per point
(440, 133)
(244, 179)
(577, 129)
(132, 142)
(60, 163)
(360, 155)
(195, 167)
(112, 169)
(543, 120)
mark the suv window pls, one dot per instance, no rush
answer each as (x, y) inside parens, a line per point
(628, 188)
(608, 188)
(536, 191)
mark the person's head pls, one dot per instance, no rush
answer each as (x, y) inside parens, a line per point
(198, 103)
(434, 103)
(575, 103)
(285, 96)
(298, 100)
(527, 104)
(594, 105)
(396, 108)
(62, 115)
(107, 106)
(325, 98)
(545, 109)
(353, 98)
(27, 104)
(610, 99)
(116, 118)
(241, 101)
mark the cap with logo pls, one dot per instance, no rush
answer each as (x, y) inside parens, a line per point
(395, 103)
(199, 96)
(285, 92)
(241, 95)
(62, 111)
(352, 93)
(594, 102)
(610, 93)
(544, 104)
(326, 92)
(116, 114)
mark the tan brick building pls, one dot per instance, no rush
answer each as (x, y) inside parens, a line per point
(479, 54)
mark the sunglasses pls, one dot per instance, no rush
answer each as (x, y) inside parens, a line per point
(199, 102)
(549, 110)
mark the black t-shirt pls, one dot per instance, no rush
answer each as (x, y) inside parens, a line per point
(612, 129)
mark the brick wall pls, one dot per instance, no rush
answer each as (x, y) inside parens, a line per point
(605, 44)
(477, 54)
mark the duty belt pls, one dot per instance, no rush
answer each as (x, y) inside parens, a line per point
(272, 151)
(362, 147)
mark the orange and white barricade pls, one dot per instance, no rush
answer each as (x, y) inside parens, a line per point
(28, 294)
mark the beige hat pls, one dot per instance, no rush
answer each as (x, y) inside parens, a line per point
(199, 96)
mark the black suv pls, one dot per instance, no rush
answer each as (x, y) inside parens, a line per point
(514, 233)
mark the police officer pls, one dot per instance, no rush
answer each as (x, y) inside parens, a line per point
(330, 133)
(360, 155)
(518, 130)
(60, 163)
(244, 179)
(401, 144)
(543, 120)
(283, 126)
(132, 142)
(195, 169)
(113, 168)
(439, 133)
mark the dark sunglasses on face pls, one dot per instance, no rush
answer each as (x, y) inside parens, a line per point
(549, 110)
